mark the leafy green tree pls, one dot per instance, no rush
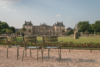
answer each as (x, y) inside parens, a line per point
(9, 31)
(84, 25)
(3, 30)
(96, 27)
(23, 29)
(13, 29)
(97, 22)
(70, 32)
(4, 25)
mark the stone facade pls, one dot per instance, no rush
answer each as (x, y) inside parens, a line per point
(44, 29)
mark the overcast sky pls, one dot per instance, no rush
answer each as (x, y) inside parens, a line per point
(16, 12)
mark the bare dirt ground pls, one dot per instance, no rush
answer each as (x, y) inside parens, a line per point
(74, 58)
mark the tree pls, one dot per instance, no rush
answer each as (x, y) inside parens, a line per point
(97, 22)
(9, 31)
(4, 25)
(23, 29)
(18, 33)
(63, 31)
(86, 32)
(3, 30)
(13, 29)
(95, 27)
(29, 30)
(84, 25)
(70, 32)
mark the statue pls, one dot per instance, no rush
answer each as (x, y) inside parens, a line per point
(76, 34)
(76, 28)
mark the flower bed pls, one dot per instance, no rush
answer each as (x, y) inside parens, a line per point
(69, 45)
(79, 45)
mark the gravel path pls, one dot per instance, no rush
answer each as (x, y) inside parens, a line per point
(74, 58)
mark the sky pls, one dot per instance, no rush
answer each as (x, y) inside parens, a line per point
(16, 12)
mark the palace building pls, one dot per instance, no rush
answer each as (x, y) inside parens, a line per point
(44, 29)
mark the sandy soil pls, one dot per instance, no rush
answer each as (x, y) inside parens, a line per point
(74, 58)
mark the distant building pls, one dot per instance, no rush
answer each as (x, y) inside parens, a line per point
(17, 30)
(44, 29)
(68, 29)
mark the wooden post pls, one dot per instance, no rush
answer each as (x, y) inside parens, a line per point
(30, 52)
(69, 50)
(91, 50)
(17, 53)
(48, 53)
(37, 54)
(60, 53)
(42, 53)
(7, 52)
(23, 55)
(25, 52)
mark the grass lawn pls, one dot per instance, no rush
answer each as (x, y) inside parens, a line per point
(68, 39)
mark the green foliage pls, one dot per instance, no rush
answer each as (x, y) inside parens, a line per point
(70, 32)
(84, 25)
(9, 31)
(97, 22)
(71, 42)
(18, 33)
(13, 29)
(29, 30)
(96, 27)
(4, 26)
(23, 29)
(80, 45)
(63, 30)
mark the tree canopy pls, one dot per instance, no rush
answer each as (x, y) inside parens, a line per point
(5, 28)
(84, 25)
(23, 29)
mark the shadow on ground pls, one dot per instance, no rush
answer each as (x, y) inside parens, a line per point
(71, 60)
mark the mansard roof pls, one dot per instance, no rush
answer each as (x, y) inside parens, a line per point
(28, 23)
(59, 24)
